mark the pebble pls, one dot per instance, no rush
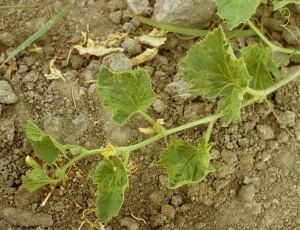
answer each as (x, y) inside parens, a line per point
(24, 218)
(229, 157)
(128, 27)
(23, 198)
(7, 96)
(76, 61)
(7, 39)
(246, 192)
(139, 7)
(287, 118)
(157, 197)
(116, 17)
(292, 35)
(129, 223)
(132, 46)
(178, 88)
(168, 211)
(200, 225)
(159, 106)
(265, 132)
(189, 12)
(117, 62)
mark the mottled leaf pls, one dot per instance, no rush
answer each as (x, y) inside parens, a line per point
(184, 163)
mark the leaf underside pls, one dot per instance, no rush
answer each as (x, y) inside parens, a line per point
(215, 71)
(45, 147)
(184, 163)
(125, 93)
(111, 179)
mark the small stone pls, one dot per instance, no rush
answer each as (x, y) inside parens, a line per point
(168, 211)
(157, 197)
(222, 170)
(7, 96)
(292, 35)
(59, 206)
(129, 223)
(139, 7)
(159, 106)
(200, 225)
(287, 118)
(246, 192)
(132, 46)
(23, 198)
(116, 17)
(7, 39)
(128, 27)
(117, 62)
(76, 62)
(265, 132)
(228, 156)
(178, 88)
(24, 218)
(189, 12)
(176, 200)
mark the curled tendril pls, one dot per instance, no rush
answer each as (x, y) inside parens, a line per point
(287, 14)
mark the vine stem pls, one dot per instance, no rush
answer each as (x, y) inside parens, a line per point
(268, 43)
(210, 119)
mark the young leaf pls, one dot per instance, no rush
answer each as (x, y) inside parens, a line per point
(125, 93)
(111, 178)
(45, 147)
(185, 163)
(36, 178)
(256, 61)
(281, 3)
(215, 71)
(236, 12)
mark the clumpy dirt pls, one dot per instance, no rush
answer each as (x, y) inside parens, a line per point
(256, 183)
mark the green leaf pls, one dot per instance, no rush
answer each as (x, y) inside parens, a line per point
(125, 93)
(36, 178)
(215, 71)
(236, 12)
(185, 163)
(45, 147)
(281, 3)
(256, 60)
(111, 178)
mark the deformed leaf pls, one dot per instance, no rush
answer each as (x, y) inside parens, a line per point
(215, 71)
(125, 93)
(256, 60)
(281, 3)
(185, 163)
(45, 147)
(111, 178)
(36, 178)
(236, 12)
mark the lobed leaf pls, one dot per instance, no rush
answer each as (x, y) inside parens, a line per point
(184, 163)
(125, 93)
(281, 3)
(215, 71)
(45, 147)
(236, 12)
(256, 60)
(36, 178)
(111, 178)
